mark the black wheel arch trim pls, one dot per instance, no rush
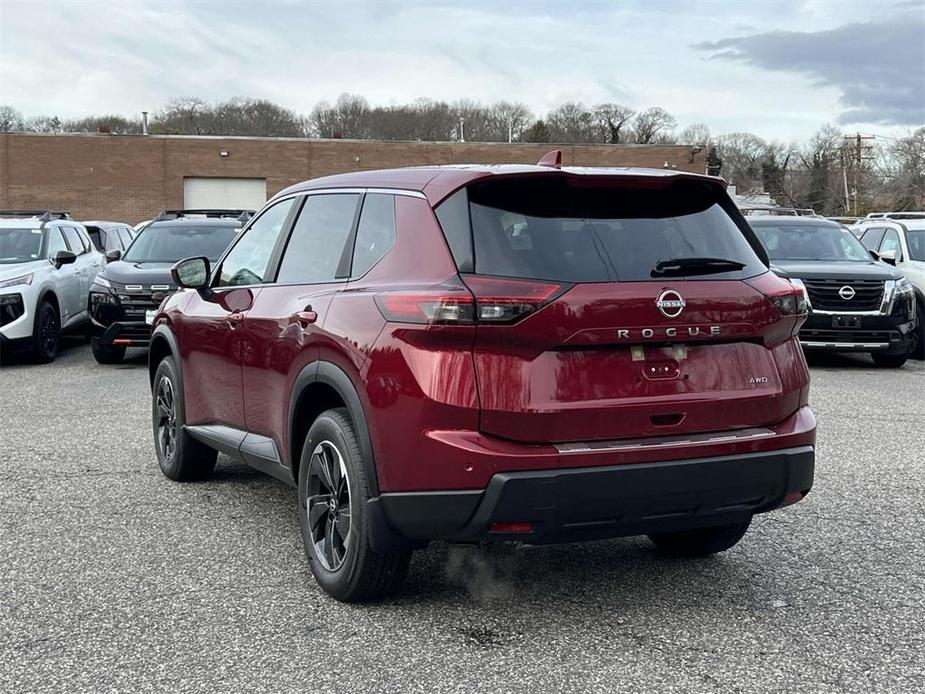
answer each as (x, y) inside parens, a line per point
(163, 332)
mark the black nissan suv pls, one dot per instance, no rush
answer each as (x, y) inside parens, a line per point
(857, 303)
(125, 295)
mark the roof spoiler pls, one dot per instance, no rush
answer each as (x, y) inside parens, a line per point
(43, 215)
(240, 215)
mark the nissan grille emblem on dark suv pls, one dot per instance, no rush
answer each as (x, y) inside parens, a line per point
(846, 293)
(670, 303)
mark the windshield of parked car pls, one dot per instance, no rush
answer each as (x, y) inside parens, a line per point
(916, 240)
(810, 242)
(168, 243)
(20, 245)
(603, 230)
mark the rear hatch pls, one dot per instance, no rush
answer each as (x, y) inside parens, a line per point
(623, 306)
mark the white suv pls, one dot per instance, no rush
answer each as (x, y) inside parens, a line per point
(47, 264)
(899, 239)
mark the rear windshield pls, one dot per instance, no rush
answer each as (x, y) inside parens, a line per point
(170, 243)
(810, 242)
(596, 230)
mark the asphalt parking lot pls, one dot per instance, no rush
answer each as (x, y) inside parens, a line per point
(113, 578)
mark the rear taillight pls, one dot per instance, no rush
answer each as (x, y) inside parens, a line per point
(446, 304)
(790, 299)
(487, 300)
(505, 301)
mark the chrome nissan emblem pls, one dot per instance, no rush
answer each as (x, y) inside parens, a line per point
(847, 293)
(670, 303)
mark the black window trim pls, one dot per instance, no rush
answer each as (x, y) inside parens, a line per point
(356, 231)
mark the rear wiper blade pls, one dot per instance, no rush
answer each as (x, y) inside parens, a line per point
(679, 267)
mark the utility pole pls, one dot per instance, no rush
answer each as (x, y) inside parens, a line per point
(857, 144)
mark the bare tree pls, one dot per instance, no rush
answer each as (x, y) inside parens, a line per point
(695, 134)
(183, 116)
(507, 121)
(611, 122)
(116, 124)
(652, 126)
(741, 154)
(44, 124)
(571, 122)
(11, 120)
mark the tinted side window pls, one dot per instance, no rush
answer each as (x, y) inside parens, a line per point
(55, 242)
(317, 242)
(73, 239)
(85, 240)
(248, 260)
(375, 232)
(95, 238)
(871, 238)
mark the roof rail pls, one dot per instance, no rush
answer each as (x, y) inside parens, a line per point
(240, 215)
(778, 211)
(910, 214)
(43, 215)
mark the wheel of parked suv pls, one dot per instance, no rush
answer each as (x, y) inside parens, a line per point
(700, 542)
(890, 361)
(46, 333)
(333, 490)
(918, 352)
(106, 355)
(181, 457)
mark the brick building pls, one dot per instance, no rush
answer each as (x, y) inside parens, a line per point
(130, 178)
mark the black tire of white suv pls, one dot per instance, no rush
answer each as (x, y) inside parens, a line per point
(106, 355)
(890, 361)
(700, 542)
(918, 351)
(333, 491)
(181, 457)
(46, 333)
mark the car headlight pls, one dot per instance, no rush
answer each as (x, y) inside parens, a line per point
(903, 286)
(23, 279)
(102, 282)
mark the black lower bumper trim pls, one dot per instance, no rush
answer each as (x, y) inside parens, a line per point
(567, 505)
(137, 334)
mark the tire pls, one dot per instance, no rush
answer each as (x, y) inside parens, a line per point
(918, 351)
(338, 551)
(46, 334)
(106, 355)
(700, 542)
(889, 361)
(181, 457)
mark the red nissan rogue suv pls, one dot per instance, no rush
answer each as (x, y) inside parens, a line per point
(491, 353)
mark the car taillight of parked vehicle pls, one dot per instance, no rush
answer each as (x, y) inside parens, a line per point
(475, 299)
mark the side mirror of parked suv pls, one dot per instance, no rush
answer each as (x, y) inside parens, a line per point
(192, 273)
(113, 255)
(64, 258)
(888, 257)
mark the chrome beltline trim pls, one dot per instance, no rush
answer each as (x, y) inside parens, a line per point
(664, 441)
(846, 345)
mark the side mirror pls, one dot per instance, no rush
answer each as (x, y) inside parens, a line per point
(113, 255)
(192, 273)
(889, 256)
(64, 258)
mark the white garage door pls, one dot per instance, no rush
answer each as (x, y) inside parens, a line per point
(224, 193)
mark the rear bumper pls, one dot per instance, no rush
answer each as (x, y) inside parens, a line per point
(877, 334)
(569, 505)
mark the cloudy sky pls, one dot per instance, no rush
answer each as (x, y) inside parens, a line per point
(778, 68)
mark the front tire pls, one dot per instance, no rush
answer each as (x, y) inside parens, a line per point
(333, 491)
(106, 355)
(918, 351)
(181, 457)
(46, 334)
(700, 542)
(890, 361)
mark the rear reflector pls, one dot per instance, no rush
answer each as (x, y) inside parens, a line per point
(510, 528)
